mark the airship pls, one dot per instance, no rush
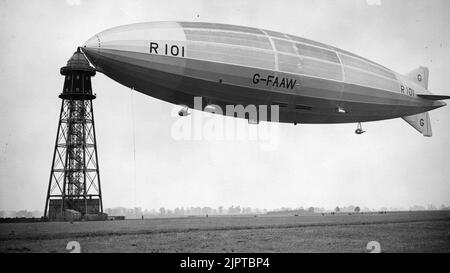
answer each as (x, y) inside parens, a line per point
(307, 81)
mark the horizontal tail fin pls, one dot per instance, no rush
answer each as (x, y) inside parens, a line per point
(420, 122)
(433, 97)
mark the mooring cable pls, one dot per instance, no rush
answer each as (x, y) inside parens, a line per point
(134, 142)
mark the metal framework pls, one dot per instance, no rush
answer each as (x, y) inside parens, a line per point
(74, 177)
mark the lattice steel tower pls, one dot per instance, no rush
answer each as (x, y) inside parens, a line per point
(74, 184)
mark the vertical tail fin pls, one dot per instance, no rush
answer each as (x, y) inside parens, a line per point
(419, 76)
(420, 122)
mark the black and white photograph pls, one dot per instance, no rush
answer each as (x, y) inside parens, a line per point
(235, 128)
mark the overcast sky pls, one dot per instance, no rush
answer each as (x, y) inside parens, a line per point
(391, 165)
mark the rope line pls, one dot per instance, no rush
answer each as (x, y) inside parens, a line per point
(134, 142)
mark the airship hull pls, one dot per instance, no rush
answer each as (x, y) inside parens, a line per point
(306, 89)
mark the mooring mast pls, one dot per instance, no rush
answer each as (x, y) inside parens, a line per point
(74, 186)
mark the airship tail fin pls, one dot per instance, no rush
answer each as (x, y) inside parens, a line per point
(433, 97)
(419, 76)
(420, 122)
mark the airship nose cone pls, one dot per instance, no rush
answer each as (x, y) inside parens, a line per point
(92, 54)
(136, 37)
(131, 40)
(93, 42)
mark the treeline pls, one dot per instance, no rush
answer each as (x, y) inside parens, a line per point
(181, 211)
(21, 214)
(352, 208)
(130, 213)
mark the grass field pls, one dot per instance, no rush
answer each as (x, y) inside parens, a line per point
(396, 232)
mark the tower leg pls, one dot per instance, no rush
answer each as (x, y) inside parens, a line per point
(47, 200)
